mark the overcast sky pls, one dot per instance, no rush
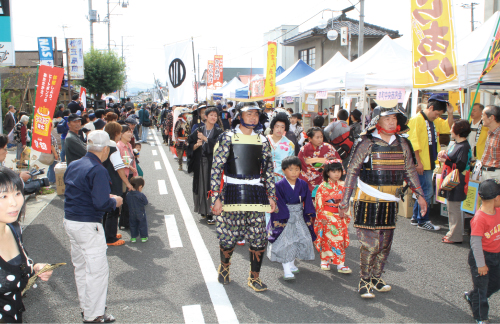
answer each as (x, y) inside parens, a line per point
(235, 27)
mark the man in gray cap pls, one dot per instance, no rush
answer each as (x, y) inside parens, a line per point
(74, 146)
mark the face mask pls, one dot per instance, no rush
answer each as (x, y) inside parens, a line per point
(189, 118)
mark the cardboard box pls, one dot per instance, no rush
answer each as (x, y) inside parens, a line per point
(405, 208)
(59, 170)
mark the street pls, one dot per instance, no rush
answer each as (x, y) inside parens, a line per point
(172, 278)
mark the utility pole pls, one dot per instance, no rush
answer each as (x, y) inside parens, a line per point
(471, 7)
(91, 25)
(361, 36)
(109, 29)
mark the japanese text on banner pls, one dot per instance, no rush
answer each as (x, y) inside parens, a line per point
(49, 84)
(391, 94)
(433, 55)
(218, 71)
(210, 75)
(270, 88)
(494, 54)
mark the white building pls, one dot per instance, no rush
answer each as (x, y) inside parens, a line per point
(490, 7)
(285, 57)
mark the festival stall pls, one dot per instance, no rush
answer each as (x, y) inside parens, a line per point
(228, 91)
(297, 71)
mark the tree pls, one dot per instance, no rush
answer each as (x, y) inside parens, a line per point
(104, 72)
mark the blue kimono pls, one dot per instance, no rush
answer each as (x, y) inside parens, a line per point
(288, 196)
(280, 150)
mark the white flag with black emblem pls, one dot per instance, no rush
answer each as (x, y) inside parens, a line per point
(180, 73)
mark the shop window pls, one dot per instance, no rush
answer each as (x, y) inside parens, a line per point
(308, 56)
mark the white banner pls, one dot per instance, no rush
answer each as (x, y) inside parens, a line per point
(75, 50)
(180, 73)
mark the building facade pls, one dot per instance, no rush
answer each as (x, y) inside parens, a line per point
(285, 57)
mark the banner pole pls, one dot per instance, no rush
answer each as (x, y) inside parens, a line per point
(194, 70)
(484, 67)
(33, 115)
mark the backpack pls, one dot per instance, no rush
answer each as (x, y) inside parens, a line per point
(62, 127)
(343, 144)
(11, 136)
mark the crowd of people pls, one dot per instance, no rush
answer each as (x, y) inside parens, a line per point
(262, 179)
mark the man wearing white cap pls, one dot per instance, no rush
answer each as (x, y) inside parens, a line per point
(87, 197)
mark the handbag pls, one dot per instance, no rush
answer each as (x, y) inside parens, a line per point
(451, 180)
(46, 158)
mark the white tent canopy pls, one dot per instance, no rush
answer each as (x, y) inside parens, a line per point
(322, 74)
(229, 89)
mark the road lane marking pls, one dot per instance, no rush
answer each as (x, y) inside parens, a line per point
(222, 305)
(174, 238)
(154, 152)
(162, 186)
(157, 165)
(152, 143)
(193, 314)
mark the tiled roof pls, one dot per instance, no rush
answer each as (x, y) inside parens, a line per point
(370, 30)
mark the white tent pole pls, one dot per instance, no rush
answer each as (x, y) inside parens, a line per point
(414, 102)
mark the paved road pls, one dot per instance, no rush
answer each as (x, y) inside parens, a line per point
(155, 282)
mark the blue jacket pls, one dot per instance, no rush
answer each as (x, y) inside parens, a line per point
(63, 128)
(143, 116)
(87, 190)
(137, 201)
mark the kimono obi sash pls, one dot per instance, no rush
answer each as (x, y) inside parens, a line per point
(245, 157)
(385, 167)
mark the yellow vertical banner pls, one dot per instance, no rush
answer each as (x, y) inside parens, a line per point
(270, 87)
(433, 43)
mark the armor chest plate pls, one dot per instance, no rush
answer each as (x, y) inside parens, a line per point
(386, 166)
(245, 156)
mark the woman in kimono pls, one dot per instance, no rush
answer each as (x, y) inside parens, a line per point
(290, 231)
(281, 146)
(201, 143)
(313, 155)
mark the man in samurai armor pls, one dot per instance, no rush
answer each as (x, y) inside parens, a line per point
(182, 132)
(243, 191)
(381, 161)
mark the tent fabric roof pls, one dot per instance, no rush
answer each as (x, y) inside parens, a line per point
(370, 30)
(279, 70)
(229, 88)
(297, 71)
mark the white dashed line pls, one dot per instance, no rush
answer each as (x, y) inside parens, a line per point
(162, 186)
(193, 314)
(174, 238)
(157, 165)
(154, 152)
(222, 305)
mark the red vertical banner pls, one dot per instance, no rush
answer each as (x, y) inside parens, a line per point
(48, 86)
(83, 97)
(218, 72)
(210, 75)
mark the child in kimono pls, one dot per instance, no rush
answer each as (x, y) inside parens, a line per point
(290, 230)
(330, 228)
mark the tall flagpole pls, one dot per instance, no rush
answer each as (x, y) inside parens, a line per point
(194, 71)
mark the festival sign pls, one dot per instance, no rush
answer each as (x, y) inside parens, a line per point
(218, 72)
(257, 88)
(472, 201)
(180, 71)
(494, 54)
(270, 88)
(321, 94)
(433, 44)
(7, 53)
(75, 52)
(45, 51)
(210, 75)
(391, 94)
(48, 86)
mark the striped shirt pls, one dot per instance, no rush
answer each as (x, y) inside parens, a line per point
(491, 155)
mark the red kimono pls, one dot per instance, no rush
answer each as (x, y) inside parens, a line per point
(312, 174)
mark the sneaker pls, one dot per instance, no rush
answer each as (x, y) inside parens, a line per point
(133, 240)
(379, 285)
(365, 289)
(117, 243)
(106, 318)
(413, 222)
(467, 299)
(144, 239)
(118, 236)
(428, 226)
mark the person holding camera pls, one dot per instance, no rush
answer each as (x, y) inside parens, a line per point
(87, 197)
